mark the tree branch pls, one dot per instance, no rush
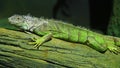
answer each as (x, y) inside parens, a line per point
(15, 52)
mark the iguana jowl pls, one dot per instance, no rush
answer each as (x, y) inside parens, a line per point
(51, 28)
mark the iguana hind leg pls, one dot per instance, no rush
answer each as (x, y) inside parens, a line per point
(92, 42)
(38, 42)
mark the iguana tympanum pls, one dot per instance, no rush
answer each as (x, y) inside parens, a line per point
(49, 28)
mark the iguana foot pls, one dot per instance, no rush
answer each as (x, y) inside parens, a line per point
(36, 42)
(39, 41)
(114, 49)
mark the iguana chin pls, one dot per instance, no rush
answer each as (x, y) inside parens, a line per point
(51, 28)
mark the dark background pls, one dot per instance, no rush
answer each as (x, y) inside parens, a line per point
(93, 14)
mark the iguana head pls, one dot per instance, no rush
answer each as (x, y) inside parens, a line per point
(26, 22)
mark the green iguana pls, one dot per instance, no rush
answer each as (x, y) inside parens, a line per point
(49, 28)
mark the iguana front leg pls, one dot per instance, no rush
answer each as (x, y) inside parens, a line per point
(38, 42)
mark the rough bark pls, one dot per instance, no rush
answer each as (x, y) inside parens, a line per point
(15, 52)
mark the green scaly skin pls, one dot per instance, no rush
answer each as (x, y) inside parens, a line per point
(51, 28)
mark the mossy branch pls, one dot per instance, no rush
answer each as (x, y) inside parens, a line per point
(15, 52)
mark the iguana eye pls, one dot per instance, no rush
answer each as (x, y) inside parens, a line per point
(18, 18)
